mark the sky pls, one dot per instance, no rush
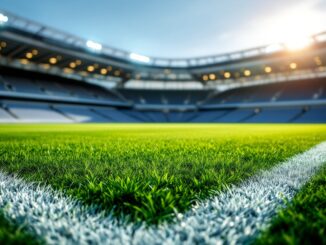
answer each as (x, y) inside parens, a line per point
(178, 28)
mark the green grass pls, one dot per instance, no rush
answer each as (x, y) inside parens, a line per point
(12, 234)
(148, 172)
(304, 220)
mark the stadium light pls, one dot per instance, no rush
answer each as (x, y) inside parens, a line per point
(318, 61)
(247, 73)
(140, 58)
(227, 75)
(104, 71)
(205, 77)
(212, 76)
(24, 61)
(53, 60)
(293, 66)
(268, 69)
(35, 52)
(90, 68)
(3, 18)
(29, 55)
(94, 45)
(72, 65)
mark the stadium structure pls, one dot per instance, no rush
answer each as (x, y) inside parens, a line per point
(104, 146)
(47, 75)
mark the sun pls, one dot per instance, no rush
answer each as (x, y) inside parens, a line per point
(296, 28)
(293, 27)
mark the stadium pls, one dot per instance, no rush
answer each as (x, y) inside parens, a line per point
(104, 146)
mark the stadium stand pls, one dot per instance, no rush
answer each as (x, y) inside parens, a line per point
(237, 116)
(116, 115)
(313, 115)
(19, 84)
(35, 113)
(225, 107)
(41, 81)
(275, 115)
(172, 97)
(210, 116)
(285, 91)
(181, 116)
(55, 88)
(80, 113)
(6, 117)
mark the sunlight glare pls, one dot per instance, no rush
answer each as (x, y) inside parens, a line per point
(291, 29)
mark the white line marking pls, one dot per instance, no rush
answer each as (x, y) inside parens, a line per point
(234, 216)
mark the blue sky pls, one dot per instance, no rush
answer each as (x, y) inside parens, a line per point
(178, 28)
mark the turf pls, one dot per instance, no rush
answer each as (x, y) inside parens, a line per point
(13, 234)
(304, 220)
(148, 172)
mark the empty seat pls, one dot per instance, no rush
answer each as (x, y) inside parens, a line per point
(138, 115)
(156, 116)
(2, 85)
(115, 115)
(36, 113)
(313, 115)
(188, 116)
(53, 88)
(104, 94)
(284, 91)
(6, 117)
(171, 97)
(275, 115)
(209, 116)
(81, 114)
(78, 91)
(238, 115)
(175, 116)
(22, 85)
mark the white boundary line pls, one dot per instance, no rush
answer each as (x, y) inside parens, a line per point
(235, 216)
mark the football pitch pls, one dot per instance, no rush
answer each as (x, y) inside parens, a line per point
(152, 174)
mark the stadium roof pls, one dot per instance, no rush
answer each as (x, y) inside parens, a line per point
(38, 29)
(35, 46)
(178, 29)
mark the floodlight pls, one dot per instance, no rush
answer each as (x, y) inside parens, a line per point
(205, 77)
(247, 73)
(53, 60)
(94, 45)
(3, 18)
(268, 69)
(104, 71)
(212, 76)
(90, 68)
(318, 61)
(293, 66)
(140, 58)
(29, 55)
(72, 65)
(227, 75)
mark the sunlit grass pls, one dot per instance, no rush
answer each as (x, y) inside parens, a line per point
(304, 220)
(148, 171)
(12, 233)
